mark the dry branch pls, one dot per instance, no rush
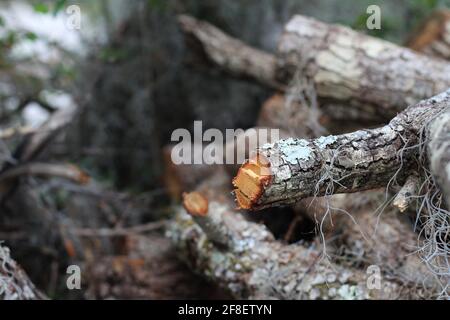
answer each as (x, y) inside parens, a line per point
(244, 258)
(433, 36)
(37, 141)
(293, 169)
(232, 55)
(66, 171)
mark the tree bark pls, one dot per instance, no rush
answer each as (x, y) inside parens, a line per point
(433, 36)
(14, 282)
(356, 76)
(292, 169)
(243, 257)
(352, 71)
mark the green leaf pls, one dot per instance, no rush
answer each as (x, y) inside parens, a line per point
(2, 22)
(40, 8)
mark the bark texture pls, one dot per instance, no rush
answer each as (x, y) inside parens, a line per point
(293, 169)
(433, 36)
(244, 258)
(353, 71)
(357, 77)
(14, 282)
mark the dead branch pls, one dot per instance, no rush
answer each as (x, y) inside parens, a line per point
(66, 171)
(243, 257)
(293, 169)
(36, 142)
(12, 132)
(113, 232)
(231, 55)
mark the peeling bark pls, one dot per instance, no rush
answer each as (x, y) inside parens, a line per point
(293, 169)
(433, 36)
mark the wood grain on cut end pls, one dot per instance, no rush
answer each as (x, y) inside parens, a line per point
(250, 181)
(195, 203)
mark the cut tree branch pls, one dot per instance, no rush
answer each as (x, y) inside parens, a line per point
(244, 258)
(292, 169)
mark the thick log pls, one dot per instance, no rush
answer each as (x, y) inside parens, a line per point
(292, 169)
(14, 282)
(356, 76)
(243, 257)
(353, 71)
(433, 36)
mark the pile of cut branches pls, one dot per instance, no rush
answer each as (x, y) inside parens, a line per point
(353, 202)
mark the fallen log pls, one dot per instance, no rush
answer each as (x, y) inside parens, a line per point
(433, 36)
(292, 169)
(356, 76)
(356, 72)
(244, 258)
